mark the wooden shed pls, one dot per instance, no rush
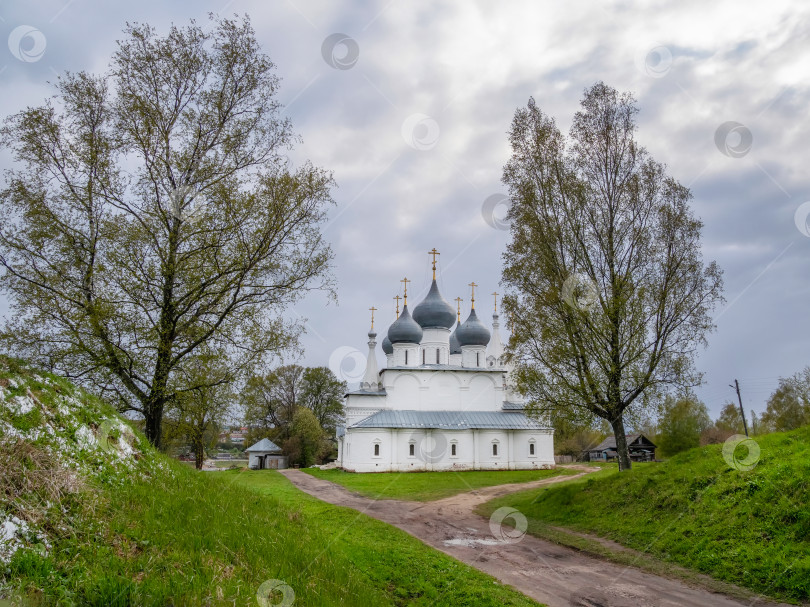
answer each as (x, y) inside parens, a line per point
(641, 448)
(265, 455)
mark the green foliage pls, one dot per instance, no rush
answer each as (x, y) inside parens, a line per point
(747, 528)
(788, 407)
(428, 486)
(730, 421)
(306, 443)
(681, 423)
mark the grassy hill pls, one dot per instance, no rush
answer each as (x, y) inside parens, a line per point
(91, 514)
(750, 528)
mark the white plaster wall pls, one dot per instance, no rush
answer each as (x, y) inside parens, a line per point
(433, 451)
(433, 339)
(468, 356)
(430, 389)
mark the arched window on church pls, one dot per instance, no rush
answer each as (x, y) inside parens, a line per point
(453, 449)
(477, 359)
(437, 356)
(531, 447)
(423, 357)
(495, 448)
(376, 449)
(406, 357)
(411, 449)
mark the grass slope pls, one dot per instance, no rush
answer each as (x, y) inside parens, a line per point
(94, 516)
(747, 528)
(427, 486)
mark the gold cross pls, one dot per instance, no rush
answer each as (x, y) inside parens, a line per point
(397, 298)
(495, 293)
(434, 252)
(458, 307)
(373, 309)
(472, 299)
(405, 298)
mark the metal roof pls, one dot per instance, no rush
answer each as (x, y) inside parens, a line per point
(264, 445)
(449, 420)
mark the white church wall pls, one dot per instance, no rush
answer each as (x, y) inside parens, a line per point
(427, 389)
(433, 450)
(435, 346)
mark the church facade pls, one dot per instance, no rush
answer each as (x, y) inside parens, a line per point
(443, 401)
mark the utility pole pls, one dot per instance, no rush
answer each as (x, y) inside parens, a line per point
(736, 386)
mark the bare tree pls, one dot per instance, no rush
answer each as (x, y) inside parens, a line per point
(152, 213)
(608, 293)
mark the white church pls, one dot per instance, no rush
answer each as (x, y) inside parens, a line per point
(443, 401)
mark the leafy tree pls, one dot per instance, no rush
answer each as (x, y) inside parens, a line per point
(608, 293)
(730, 420)
(322, 392)
(788, 407)
(306, 443)
(196, 415)
(681, 423)
(271, 401)
(151, 214)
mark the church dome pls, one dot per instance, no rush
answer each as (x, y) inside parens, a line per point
(433, 311)
(455, 347)
(405, 329)
(387, 346)
(473, 332)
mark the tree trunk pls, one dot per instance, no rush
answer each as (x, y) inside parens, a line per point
(153, 422)
(622, 452)
(199, 453)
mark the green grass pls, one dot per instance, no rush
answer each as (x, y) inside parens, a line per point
(427, 486)
(746, 528)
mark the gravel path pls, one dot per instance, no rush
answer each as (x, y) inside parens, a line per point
(551, 574)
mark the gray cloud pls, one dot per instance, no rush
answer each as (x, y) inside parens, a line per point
(468, 65)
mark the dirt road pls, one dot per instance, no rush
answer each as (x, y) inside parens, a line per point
(551, 574)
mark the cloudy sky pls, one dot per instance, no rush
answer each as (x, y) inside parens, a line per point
(409, 103)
